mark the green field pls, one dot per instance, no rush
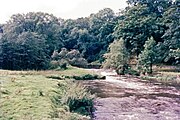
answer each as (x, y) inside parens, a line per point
(26, 95)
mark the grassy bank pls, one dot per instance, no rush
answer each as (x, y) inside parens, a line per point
(167, 75)
(27, 95)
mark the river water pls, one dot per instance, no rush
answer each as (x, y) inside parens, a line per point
(130, 98)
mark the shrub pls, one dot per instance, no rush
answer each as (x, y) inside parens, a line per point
(79, 62)
(147, 57)
(131, 71)
(83, 106)
(61, 64)
(122, 69)
(54, 64)
(164, 79)
(63, 58)
(95, 65)
(117, 57)
(88, 77)
(73, 54)
(74, 97)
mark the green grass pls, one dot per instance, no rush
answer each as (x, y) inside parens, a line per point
(26, 95)
(74, 98)
(167, 75)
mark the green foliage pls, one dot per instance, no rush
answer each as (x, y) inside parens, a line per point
(60, 64)
(55, 55)
(131, 71)
(65, 57)
(156, 6)
(90, 37)
(117, 57)
(138, 23)
(82, 106)
(77, 77)
(76, 97)
(88, 77)
(28, 40)
(95, 65)
(143, 19)
(133, 28)
(26, 51)
(175, 54)
(79, 62)
(172, 35)
(164, 79)
(147, 57)
(75, 59)
(63, 64)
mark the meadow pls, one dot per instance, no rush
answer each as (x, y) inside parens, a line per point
(28, 95)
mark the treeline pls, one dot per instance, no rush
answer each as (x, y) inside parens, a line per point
(28, 41)
(149, 33)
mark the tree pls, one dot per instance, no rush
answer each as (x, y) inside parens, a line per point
(171, 19)
(55, 55)
(72, 57)
(118, 57)
(90, 35)
(44, 24)
(176, 54)
(147, 56)
(136, 25)
(141, 20)
(26, 51)
(154, 6)
(28, 40)
(101, 28)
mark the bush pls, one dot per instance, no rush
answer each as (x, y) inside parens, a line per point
(73, 58)
(61, 64)
(83, 106)
(121, 69)
(79, 62)
(95, 65)
(130, 71)
(73, 97)
(88, 77)
(73, 54)
(117, 57)
(164, 79)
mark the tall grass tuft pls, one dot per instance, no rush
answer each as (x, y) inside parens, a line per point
(74, 98)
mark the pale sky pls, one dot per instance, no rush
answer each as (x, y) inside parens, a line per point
(60, 8)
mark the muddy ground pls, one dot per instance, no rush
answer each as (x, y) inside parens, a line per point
(130, 98)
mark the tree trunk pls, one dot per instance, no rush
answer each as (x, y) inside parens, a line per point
(151, 66)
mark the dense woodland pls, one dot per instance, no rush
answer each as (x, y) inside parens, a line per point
(146, 30)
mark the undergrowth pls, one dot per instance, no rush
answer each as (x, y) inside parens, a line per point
(77, 77)
(72, 97)
(164, 79)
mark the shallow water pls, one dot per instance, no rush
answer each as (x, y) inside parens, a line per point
(127, 98)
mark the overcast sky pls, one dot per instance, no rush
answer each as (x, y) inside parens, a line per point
(60, 8)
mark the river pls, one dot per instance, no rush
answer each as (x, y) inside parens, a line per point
(130, 98)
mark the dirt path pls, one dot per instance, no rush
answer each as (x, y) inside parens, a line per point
(127, 98)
